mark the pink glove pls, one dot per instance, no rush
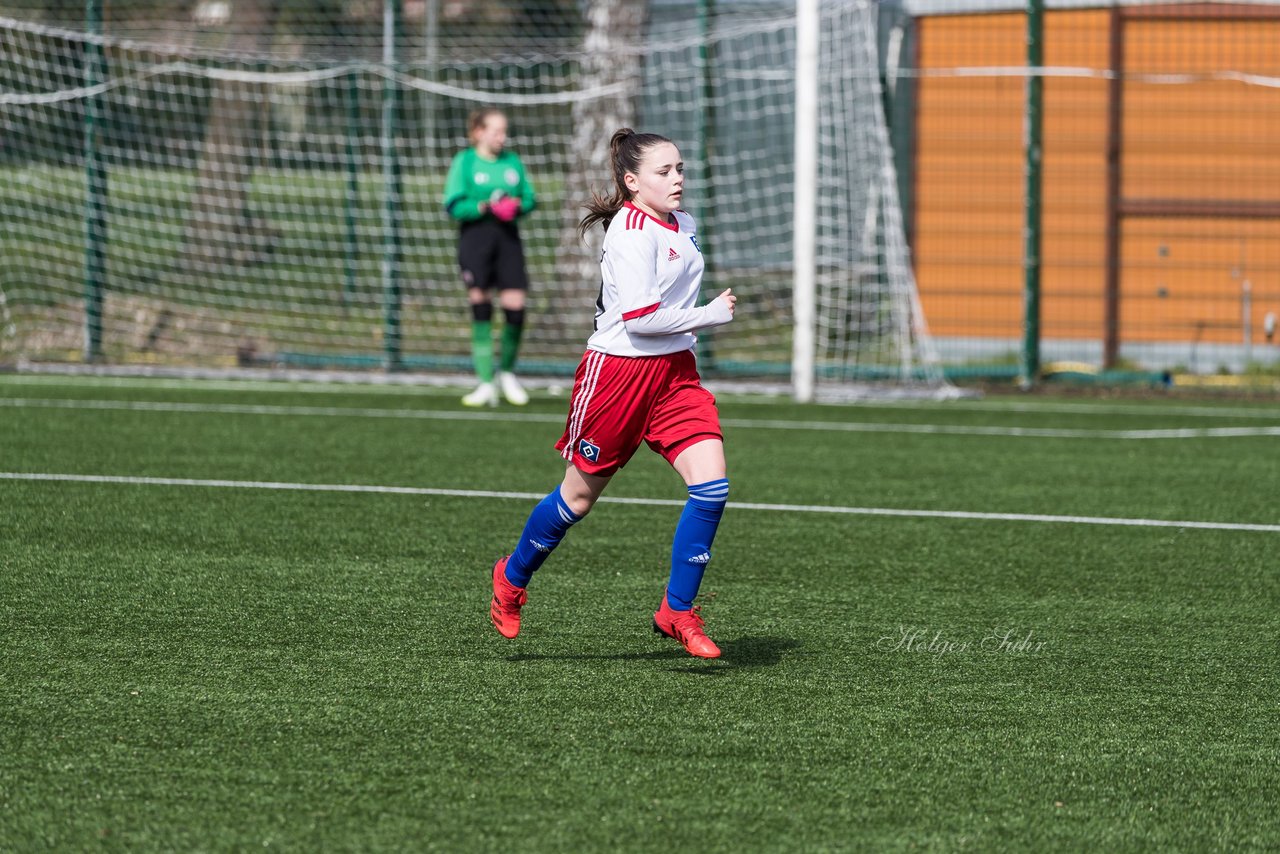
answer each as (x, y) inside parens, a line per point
(505, 208)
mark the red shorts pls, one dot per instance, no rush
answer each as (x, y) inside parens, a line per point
(619, 401)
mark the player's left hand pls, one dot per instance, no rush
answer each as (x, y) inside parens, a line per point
(729, 299)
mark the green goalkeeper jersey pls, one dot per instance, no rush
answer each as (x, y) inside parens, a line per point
(474, 180)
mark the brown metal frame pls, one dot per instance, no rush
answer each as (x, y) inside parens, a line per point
(1118, 207)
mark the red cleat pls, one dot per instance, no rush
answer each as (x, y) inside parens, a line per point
(686, 627)
(504, 608)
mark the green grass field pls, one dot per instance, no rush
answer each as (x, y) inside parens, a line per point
(253, 616)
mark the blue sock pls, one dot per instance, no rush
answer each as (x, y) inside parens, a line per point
(691, 549)
(542, 533)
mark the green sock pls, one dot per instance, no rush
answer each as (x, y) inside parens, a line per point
(511, 344)
(482, 349)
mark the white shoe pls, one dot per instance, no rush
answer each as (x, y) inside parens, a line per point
(511, 389)
(485, 394)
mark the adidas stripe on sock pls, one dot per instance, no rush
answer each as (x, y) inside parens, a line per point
(691, 548)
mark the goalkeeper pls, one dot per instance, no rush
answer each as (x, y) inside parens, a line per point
(486, 191)
(638, 383)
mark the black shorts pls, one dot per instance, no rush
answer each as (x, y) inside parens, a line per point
(491, 255)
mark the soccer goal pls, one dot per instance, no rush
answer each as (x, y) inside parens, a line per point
(264, 191)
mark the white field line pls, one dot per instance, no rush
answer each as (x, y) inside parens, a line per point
(649, 502)
(747, 423)
(1032, 432)
(451, 385)
(1185, 410)
(268, 409)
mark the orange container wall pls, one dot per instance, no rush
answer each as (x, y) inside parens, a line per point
(1181, 279)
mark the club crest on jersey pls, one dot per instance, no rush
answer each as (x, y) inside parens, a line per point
(589, 451)
(673, 255)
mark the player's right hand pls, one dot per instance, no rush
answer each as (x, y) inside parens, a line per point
(505, 208)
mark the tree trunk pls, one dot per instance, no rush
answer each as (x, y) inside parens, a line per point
(614, 32)
(222, 227)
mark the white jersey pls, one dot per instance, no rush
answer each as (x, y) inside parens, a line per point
(647, 265)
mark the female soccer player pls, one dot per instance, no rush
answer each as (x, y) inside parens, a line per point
(637, 382)
(486, 191)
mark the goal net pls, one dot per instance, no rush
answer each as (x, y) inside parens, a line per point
(259, 184)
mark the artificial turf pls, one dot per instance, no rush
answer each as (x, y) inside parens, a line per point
(217, 665)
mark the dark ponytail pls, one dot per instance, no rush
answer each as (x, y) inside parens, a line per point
(626, 149)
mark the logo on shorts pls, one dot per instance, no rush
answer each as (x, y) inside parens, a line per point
(589, 451)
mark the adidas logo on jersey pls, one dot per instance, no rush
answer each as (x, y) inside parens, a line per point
(673, 255)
